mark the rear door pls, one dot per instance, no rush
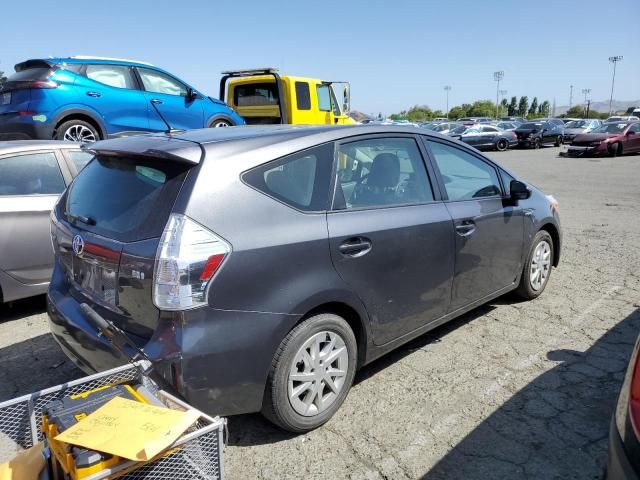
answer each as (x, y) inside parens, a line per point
(633, 138)
(391, 239)
(30, 184)
(488, 231)
(111, 90)
(170, 97)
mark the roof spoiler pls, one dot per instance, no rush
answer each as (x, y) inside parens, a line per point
(165, 147)
(34, 63)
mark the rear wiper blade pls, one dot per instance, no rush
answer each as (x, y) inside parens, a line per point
(82, 219)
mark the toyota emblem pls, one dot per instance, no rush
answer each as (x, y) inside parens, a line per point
(78, 245)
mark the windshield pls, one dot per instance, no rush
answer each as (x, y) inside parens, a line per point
(610, 128)
(577, 124)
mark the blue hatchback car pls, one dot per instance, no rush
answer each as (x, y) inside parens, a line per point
(92, 98)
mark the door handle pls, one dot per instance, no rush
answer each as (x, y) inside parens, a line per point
(94, 94)
(157, 101)
(466, 228)
(355, 247)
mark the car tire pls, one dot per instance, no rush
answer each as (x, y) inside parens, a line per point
(77, 131)
(295, 405)
(558, 141)
(536, 143)
(502, 145)
(615, 149)
(537, 268)
(220, 122)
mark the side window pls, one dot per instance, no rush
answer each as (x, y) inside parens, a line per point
(381, 172)
(255, 94)
(118, 76)
(324, 98)
(31, 174)
(489, 129)
(303, 97)
(79, 158)
(158, 82)
(506, 182)
(635, 128)
(300, 180)
(465, 176)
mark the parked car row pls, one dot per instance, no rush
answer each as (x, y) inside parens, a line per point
(612, 139)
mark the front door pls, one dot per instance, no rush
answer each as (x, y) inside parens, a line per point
(168, 98)
(488, 232)
(29, 187)
(111, 91)
(390, 240)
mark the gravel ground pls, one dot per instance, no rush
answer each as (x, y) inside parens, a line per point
(511, 390)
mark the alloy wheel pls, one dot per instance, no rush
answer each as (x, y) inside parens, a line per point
(317, 374)
(540, 265)
(221, 124)
(79, 133)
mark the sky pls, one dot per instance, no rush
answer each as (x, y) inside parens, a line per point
(395, 53)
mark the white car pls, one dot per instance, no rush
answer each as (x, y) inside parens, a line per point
(628, 118)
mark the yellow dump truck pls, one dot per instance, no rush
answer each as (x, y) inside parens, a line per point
(263, 96)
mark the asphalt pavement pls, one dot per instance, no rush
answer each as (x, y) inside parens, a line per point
(510, 390)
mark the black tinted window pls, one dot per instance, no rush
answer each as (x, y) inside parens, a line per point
(31, 174)
(128, 198)
(255, 94)
(381, 172)
(300, 180)
(302, 96)
(30, 74)
(465, 176)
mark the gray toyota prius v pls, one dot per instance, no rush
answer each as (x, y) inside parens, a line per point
(260, 267)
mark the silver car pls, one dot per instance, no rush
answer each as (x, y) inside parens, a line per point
(578, 127)
(32, 176)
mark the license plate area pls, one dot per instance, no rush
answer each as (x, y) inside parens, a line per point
(95, 279)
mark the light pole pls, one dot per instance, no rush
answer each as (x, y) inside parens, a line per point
(502, 95)
(447, 88)
(613, 60)
(497, 76)
(586, 91)
(570, 96)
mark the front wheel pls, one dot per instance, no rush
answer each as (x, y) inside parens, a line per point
(558, 141)
(537, 268)
(311, 374)
(220, 122)
(537, 144)
(502, 145)
(615, 149)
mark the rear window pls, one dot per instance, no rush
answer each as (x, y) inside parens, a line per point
(255, 95)
(530, 126)
(30, 75)
(127, 199)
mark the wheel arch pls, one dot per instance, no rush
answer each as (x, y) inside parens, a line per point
(552, 230)
(351, 316)
(84, 115)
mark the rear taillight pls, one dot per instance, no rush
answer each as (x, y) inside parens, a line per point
(43, 84)
(634, 398)
(189, 255)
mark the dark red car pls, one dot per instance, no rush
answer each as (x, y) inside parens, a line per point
(613, 138)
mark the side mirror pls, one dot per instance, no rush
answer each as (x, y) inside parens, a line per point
(519, 190)
(346, 100)
(192, 94)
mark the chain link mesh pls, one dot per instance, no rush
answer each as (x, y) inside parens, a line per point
(199, 458)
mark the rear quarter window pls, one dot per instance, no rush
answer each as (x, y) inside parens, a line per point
(300, 180)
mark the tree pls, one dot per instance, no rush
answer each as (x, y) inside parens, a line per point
(534, 106)
(2, 77)
(513, 107)
(523, 105)
(575, 111)
(457, 112)
(504, 106)
(482, 108)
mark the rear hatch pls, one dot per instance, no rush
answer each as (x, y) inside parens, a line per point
(106, 234)
(15, 93)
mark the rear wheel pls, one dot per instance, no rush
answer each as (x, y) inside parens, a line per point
(502, 145)
(77, 131)
(311, 374)
(537, 268)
